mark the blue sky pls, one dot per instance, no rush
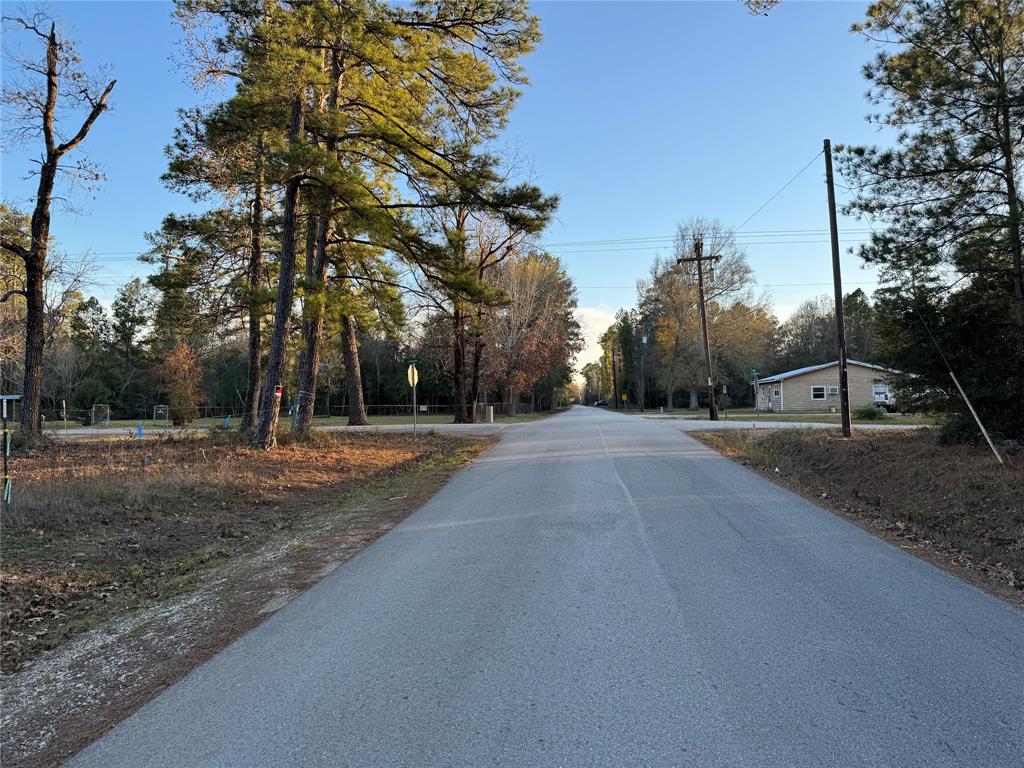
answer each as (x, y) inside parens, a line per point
(639, 114)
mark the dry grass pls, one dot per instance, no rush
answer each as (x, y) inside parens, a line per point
(100, 527)
(907, 485)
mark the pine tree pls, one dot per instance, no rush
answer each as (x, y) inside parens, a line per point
(365, 103)
(949, 80)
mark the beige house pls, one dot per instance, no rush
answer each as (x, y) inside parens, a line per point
(815, 389)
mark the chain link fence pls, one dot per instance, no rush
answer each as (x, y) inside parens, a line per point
(102, 416)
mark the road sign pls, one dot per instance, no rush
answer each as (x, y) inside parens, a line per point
(413, 376)
(624, 396)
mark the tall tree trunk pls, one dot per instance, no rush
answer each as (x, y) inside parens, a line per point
(319, 231)
(478, 351)
(353, 372)
(255, 283)
(1013, 209)
(312, 323)
(694, 396)
(302, 368)
(35, 255)
(35, 311)
(459, 363)
(265, 436)
(478, 347)
(671, 388)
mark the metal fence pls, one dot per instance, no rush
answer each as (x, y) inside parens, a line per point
(396, 409)
(101, 415)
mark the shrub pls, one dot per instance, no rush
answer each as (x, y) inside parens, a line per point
(869, 413)
(183, 375)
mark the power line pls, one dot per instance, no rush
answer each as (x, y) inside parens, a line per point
(749, 233)
(755, 234)
(752, 285)
(573, 252)
(660, 247)
(582, 250)
(779, 191)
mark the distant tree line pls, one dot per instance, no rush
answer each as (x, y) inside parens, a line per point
(668, 369)
(153, 347)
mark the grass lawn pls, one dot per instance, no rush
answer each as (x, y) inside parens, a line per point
(341, 421)
(100, 527)
(522, 418)
(125, 565)
(440, 418)
(284, 423)
(747, 414)
(909, 419)
(950, 503)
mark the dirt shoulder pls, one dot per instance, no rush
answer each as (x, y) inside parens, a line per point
(121, 571)
(952, 505)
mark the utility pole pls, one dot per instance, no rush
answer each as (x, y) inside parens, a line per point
(615, 382)
(837, 279)
(643, 381)
(700, 258)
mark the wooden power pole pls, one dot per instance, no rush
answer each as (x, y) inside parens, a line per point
(615, 382)
(700, 258)
(837, 279)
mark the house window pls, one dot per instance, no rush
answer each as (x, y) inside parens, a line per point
(833, 389)
(776, 391)
(817, 393)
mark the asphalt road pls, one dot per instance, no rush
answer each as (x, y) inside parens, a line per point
(604, 591)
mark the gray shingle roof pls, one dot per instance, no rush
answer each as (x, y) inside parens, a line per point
(810, 368)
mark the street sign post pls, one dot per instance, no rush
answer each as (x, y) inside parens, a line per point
(6, 411)
(414, 377)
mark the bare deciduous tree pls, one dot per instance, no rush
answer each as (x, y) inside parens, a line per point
(34, 105)
(729, 277)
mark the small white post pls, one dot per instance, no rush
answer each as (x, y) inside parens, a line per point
(414, 377)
